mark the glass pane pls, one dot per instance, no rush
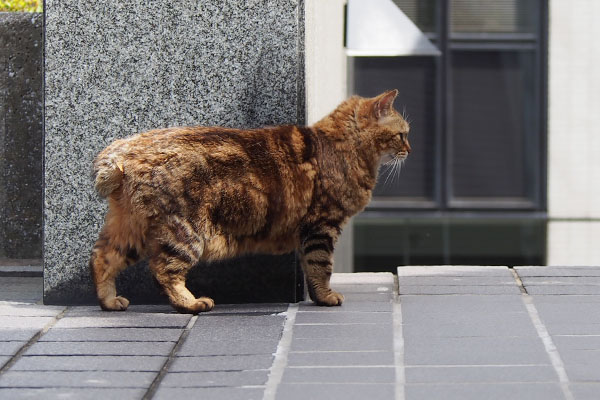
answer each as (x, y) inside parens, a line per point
(421, 12)
(414, 77)
(494, 16)
(384, 244)
(493, 149)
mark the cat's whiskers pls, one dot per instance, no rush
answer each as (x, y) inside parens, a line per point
(393, 168)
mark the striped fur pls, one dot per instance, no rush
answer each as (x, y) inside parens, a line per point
(178, 196)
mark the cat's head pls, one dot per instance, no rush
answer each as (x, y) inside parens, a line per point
(384, 128)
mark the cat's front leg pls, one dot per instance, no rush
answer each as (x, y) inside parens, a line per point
(316, 258)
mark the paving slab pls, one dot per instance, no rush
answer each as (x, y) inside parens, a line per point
(588, 372)
(453, 270)
(585, 391)
(215, 379)
(91, 379)
(332, 375)
(216, 393)
(100, 348)
(340, 358)
(558, 290)
(527, 271)
(51, 393)
(346, 317)
(455, 280)
(441, 289)
(112, 335)
(19, 335)
(29, 310)
(349, 305)
(474, 351)
(103, 319)
(216, 348)
(222, 363)
(17, 322)
(364, 331)
(341, 344)
(466, 374)
(488, 391)
(90, 363)
(10, 348)
(346, 391)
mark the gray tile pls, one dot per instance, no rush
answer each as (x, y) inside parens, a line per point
(573, 328)
(481, 290)
(456, 280)
(4, 360)
(377, 306)
(100, 348)
(217, 393)
(591, 358)
(588, 372)
(562, 280)
(568, 312)
(112, 335)
(557, 271)
(123, 319)
(490, 391)
(562, 289)
(33, 379)
(364, 288)
(341, 344)
(222, 363)
(89, 363)
(16, 334)
(17, 322)
(257, 308)
(332, 375)
(28, 310)
(480, 374)
(577, 342)
(585, 391)
(319, 391)
(359, 331)
(453, 270)
(71, 393)
(363, 278)
(474, 351)
(235, 332)
(507, 327)
(574, 300)
(10, 348)
(216, 378)
(350, 297)
(462, 304)
(204, 348)
(310, 317)
(341, 358)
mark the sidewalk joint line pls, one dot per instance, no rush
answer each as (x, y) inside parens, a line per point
(281, 355)
(549, 346)
(398, 336)
(33, 340)
(518, 280)
(170, 359)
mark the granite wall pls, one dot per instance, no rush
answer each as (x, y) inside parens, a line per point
(116, 68)
(21, 106)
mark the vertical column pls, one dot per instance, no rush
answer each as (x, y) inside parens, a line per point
(114, 69)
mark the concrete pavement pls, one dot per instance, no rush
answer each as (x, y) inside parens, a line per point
(427, 333)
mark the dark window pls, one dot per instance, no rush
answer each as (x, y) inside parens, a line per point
(473, 189)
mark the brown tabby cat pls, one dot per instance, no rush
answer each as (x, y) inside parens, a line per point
(178, 196)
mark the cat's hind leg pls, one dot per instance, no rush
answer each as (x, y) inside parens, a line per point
(106, 263)
(316, 259)
(170, 267)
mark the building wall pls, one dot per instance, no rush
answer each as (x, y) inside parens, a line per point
(573, 133)
(326, 85)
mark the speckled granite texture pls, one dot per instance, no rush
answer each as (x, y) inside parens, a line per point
(21, 106)
(117, 68)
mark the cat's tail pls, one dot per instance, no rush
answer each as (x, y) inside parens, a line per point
(108, 173)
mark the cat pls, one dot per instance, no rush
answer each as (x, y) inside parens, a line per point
(182, 195)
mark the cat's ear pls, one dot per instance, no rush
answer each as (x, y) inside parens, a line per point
(384, 103)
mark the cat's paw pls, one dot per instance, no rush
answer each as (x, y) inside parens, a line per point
(118, 303)
(202, 304)
(331, 299)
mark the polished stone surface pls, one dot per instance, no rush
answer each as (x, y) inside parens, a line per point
(114, 69)
(21, 138)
